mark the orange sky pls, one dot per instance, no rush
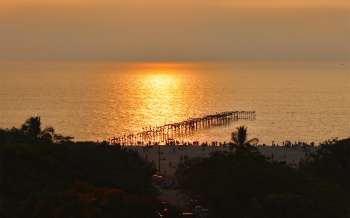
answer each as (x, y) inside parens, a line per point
(175, 30)
(251, 3)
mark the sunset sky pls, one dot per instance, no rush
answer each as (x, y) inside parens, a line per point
(178, 30)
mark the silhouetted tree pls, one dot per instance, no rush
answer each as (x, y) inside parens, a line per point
(47, 134)
(331, 162)
(32, 127)
(34, 179)
(240, 139)
(31, 132)
(244, 185)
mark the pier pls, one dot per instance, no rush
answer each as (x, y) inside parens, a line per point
(169, 132)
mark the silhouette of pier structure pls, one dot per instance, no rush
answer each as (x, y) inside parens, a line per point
(172, 131)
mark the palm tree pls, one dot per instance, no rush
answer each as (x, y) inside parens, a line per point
(240, 139)
(32, 127)
(47, 134)
(31, 132)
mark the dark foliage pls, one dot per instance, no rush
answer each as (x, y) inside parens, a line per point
(32, 133)
(331, 162)
(43, 178)
(82, 200)
(245, 184)
(240, 142)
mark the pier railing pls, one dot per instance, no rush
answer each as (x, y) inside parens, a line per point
(172, 131)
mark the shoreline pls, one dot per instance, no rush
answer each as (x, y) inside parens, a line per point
(170, 156)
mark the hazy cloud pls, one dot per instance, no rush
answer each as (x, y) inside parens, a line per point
(181, 30)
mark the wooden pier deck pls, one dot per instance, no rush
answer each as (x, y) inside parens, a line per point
(168, 132)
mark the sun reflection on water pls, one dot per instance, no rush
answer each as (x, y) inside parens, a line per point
(161, 94)
(160, 81)
(100, 100)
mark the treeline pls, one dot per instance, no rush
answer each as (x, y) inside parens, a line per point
(31, 132)
(44, 174)
(246, 184)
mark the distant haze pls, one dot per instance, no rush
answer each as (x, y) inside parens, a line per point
(175, 30)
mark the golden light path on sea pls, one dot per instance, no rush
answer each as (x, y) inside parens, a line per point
(159, 93)
(95, 101)
(163, 91)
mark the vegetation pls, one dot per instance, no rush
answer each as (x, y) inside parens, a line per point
(240, 141)
(332, 163)
(246, 184)
(43, 174)
(31, 132)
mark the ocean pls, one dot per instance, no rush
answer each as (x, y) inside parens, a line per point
(296, 101)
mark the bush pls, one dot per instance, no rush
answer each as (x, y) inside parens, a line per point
(248, 185)
(44, 178)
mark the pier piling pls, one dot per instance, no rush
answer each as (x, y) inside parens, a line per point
(159, 134)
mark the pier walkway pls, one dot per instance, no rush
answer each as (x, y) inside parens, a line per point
(169, 132)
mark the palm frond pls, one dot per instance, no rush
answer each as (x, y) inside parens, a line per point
(253, 141)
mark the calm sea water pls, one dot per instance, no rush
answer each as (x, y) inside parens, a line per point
(95, 101)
